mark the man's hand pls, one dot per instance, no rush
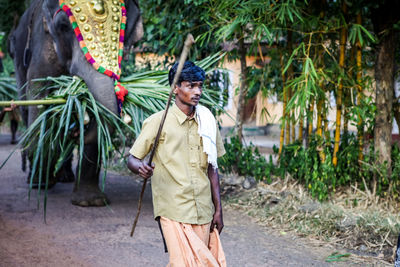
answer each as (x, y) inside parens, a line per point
(217, 222)
(140, 167)
(10, 108)
(145, 170)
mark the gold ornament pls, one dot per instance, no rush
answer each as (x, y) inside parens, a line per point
(87, 28)
(99, 21)
(98, 6)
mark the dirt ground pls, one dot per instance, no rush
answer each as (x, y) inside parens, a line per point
(75, 236)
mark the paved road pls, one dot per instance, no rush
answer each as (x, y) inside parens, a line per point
(75, 236)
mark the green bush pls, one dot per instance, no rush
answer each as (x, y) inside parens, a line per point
(304, 164)
(322, 178)
(244, 160)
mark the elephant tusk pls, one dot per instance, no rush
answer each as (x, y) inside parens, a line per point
(127, 119)
(86, 119)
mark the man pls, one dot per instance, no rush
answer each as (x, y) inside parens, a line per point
(14, 118)
(186, 197)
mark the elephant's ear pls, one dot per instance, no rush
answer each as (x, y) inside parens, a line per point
(59, 28)
(134, 25)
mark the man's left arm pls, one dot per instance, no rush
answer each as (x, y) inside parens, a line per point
(215, 192)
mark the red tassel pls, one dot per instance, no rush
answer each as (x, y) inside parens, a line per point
(121, 92)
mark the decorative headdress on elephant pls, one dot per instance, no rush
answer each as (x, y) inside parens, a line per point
(102, 27)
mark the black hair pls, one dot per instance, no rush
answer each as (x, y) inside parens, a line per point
(190, 72)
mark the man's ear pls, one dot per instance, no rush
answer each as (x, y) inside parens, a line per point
(176, 88)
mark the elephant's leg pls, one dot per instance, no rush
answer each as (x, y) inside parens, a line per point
(86, 191)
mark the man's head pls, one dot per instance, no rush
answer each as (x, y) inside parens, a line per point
(188, 89)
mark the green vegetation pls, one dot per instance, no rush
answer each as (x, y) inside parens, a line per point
(244, 160)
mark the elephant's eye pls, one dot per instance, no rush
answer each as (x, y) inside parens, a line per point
(64, 27)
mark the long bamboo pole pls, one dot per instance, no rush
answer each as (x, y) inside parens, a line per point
(320, 103)
(284, 115)
(348, 95)
(33, 102)
(360, 131)
(310, 120)
(301, 127)
(339, 95)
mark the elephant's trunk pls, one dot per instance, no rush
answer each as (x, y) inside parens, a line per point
(100, 85)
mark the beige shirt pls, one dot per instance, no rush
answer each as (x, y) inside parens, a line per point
(180, 184)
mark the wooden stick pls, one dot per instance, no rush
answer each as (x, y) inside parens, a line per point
(33, 102)
(188, 43)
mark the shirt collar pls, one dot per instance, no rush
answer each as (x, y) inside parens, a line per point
(180, 115)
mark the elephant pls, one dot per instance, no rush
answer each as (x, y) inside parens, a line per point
(44, 44)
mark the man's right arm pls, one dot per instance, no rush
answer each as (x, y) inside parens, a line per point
(140, 167)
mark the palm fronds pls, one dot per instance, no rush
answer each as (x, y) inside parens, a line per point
(8, 89)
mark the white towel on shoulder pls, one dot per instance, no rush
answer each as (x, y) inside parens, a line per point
(208, 133)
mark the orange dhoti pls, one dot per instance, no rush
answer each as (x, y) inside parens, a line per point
(191, 245)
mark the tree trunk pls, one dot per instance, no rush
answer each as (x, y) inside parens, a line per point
(383, 18)
(242, 91)
(384, 76)
(339, 95)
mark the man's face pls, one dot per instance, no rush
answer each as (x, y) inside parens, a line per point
(189, 93)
